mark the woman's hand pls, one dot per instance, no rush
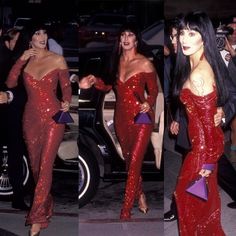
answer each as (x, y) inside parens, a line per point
(218, 116)
(229, 48)
(65, 106)
(205, 173)
(3, 97)
(144, 107)
(29, 53)
(87, 82)
(174, 127)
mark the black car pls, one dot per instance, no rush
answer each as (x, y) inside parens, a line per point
(100, 155)
(102, 28)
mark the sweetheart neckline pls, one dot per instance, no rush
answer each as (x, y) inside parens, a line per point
(42, 76)
(187, 89)
(123, 82)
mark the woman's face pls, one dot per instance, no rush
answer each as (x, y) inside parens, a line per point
(190, 41)
(128, 40)
(39, 39)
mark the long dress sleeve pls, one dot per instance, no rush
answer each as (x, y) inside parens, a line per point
(65, 84)
(14, 73)
(152, 87)
(100, 85)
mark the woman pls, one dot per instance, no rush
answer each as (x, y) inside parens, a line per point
(200, 75)
(132, 72)
(42, 70)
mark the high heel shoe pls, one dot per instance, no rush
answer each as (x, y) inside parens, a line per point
(34, 233)
(143, 204)
(35, 230)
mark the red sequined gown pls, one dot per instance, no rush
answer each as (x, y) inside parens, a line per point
(42, 135)
(132, 137)
(198, 217)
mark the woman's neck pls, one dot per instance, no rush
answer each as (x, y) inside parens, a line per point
(196, 58)
(41, 53)
(128, 55)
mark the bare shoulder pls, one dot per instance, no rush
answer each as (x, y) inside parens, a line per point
(204, 71)
(197, 77)
(58, 60)
(202, 79)
(145, 64)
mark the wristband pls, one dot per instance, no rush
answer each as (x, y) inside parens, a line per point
(208, 166)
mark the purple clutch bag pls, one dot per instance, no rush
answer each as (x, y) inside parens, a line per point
(199, 187)
(142, 118)
(62, 117)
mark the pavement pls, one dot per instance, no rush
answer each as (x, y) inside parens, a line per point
(12, 223)
(101, 216)
(65, 218)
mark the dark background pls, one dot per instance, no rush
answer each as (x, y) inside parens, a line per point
(147, 11)
(216, 9)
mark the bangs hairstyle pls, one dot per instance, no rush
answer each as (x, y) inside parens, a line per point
(200, 22)
(34, 26)
(116, 52)
(132, 27)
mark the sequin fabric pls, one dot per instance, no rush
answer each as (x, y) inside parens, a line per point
(198, 217)
(42, 135)
(132, 137)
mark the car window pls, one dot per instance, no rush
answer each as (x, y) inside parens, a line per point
(20, 23)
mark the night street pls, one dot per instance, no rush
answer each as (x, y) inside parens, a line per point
(126, 72)
(65, 218)
(102, 214)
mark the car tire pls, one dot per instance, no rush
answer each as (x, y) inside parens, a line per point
(88, 177)
(5, 185)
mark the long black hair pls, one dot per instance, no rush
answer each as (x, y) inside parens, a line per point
(200, 22)
(117, 51)
(33, 25)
